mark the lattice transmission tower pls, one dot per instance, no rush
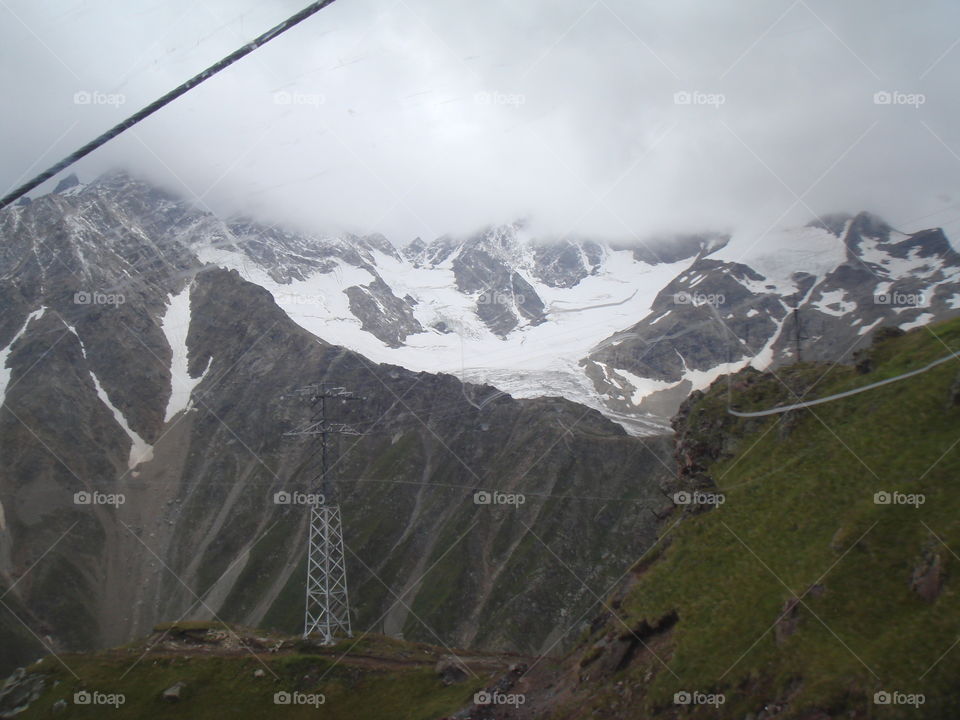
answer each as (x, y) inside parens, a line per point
(327, 606)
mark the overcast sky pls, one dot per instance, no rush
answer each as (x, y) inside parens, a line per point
(421, 117)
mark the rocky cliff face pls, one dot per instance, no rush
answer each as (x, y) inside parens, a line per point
(146, 346)
(628, 329)
(631, 329)
(143, 437)
(756, 605)
(721, 315)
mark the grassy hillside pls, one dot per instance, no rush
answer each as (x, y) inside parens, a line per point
(878, 596)
(800, 597)
(374, 678)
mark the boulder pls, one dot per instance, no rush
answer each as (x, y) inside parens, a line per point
(450, 670)
(172, 693)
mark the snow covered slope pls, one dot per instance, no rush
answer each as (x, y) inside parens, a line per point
(175, 325)
(626, 328)
(539, 355)
(629, 331)
(820, 290)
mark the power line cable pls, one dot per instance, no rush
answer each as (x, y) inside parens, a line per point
(847, 393)
(150, 109)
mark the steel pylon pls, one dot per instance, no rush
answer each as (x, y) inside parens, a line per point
(327, 607)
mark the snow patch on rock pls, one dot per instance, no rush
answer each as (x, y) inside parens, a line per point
(5, 372)
(175, 325)
(140, 450)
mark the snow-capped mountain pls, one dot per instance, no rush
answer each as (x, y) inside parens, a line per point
(146, 396)
(818, 291)
(628, 329)
(499, 307)
(146, 346)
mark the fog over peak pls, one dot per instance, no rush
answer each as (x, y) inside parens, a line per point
(420, 118)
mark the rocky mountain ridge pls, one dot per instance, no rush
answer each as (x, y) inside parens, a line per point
(146, 397)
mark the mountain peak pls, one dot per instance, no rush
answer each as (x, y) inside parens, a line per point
(831, 222)
(674, 248)
(70, 181)
(870, 225)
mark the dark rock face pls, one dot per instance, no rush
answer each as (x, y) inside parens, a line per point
(84, 375)
(20, 691)
(490, 266)
(482, 266)
(695, 339)
(68, 182)
(435, 253)
(864, 225)
(565, 263)
(700, 440)
(76, 256)
(451, 670)
(832, 222)
(382, 313)
(289, 256)
(671, 249)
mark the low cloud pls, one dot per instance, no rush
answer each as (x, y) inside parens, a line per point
(615, 118)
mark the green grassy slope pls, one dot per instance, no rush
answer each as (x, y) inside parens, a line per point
(375, 678)
(879, 597)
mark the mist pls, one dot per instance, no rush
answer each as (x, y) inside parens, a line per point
(419, 118)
